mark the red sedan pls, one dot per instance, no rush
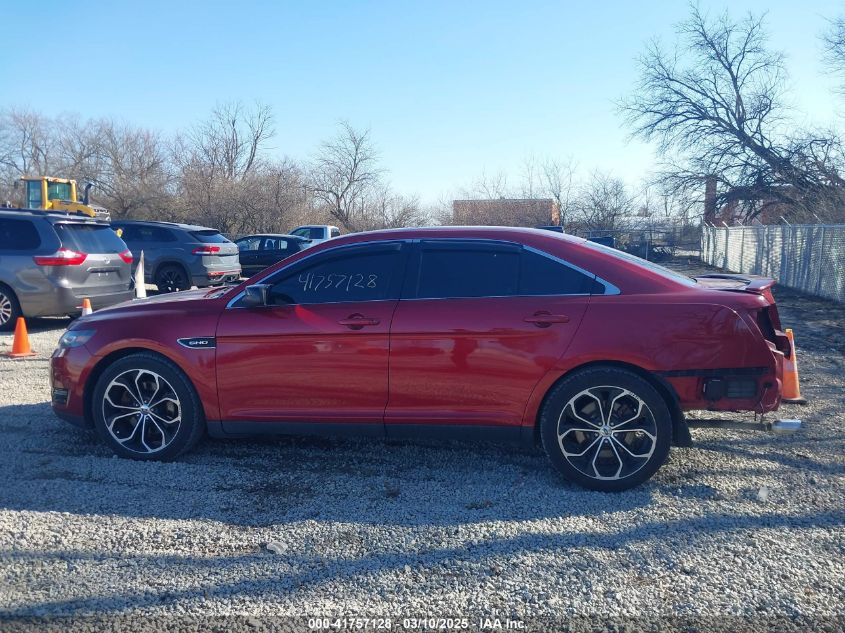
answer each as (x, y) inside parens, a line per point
(487, 333)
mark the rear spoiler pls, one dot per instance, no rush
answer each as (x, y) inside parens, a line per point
(745, 283)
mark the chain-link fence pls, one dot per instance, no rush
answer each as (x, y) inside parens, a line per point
(654, 243)
(808, 257)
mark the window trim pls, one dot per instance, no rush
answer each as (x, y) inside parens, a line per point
(411, 266)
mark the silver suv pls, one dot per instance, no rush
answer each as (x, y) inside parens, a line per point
(50, 261)
(178, 256)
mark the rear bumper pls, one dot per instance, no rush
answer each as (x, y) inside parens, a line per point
(61, 300)
(756, 389)
(213, 277)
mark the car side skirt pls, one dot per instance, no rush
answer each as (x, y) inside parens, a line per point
(462, 432)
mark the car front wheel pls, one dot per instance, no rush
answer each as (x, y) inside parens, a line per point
(145, 408)
(606, 429)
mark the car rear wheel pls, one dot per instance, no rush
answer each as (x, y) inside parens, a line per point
(145, 408)
(172, 278)
(606, 429)
(10, 309)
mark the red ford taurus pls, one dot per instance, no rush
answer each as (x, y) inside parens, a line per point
(487, 333)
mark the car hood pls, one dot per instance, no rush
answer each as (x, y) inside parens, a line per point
(158, 303)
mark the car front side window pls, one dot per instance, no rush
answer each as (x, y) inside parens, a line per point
(367, 274)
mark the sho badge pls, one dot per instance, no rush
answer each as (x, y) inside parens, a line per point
(201, 342)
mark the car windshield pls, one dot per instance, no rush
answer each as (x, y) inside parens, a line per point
(90, 238)
(643, 263)
(311, 233)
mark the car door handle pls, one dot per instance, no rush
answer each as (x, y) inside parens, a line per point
(357, 321)
(545, 319)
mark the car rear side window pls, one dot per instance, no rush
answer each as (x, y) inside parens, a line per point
(209, 236)
(541, 275)
(470, 270)
(340, 278)
(89, 238)
(18, 235)
(335, 233)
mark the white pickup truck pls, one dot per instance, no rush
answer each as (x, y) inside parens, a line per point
(317, 233)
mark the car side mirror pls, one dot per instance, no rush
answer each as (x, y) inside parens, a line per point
(256, 296)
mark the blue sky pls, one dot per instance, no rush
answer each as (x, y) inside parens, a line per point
(449, 89)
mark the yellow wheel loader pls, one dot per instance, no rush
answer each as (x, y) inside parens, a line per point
(60, 194)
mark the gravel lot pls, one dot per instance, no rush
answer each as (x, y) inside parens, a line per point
(744, 524)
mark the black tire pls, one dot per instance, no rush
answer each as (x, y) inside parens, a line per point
(128, 434)
(579, 401)
(172, 278)
(10, 309)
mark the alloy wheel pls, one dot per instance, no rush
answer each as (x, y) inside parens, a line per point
(607, 432)
(172, 280)
(5, 309)
(142, 411)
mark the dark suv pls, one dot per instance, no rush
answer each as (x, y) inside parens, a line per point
(178, 256)
(50, 261)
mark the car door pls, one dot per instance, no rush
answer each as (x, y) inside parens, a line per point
(249, 249)
(273, 250)
(479, 324)
(318, 353)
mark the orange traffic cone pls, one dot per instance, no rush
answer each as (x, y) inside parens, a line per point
(20, 344)
(791, 385)
(86, 307)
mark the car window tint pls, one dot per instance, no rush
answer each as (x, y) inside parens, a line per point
(468, 272)
(209, 236)
(161, 234)
(541, 275)
(18, 235)
(335, 232)
(90, 238)
(338, 279)
(275, 244)
(249, 244)
(128, 233)
(309, 233)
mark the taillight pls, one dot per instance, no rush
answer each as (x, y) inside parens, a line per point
(126, 256)
(771, 332)
(206, 250)
(62, 257)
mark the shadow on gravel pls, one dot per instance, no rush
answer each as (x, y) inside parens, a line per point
(49, 465)
(263, 574)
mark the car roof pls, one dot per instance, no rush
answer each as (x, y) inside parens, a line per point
(296, 238)
(52, 216)
(489, 232)
(177, 225)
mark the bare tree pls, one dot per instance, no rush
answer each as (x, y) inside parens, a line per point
(342, 173)
(557, 178)
(715, 106)
(604, 203)
(834, 47)
(489, 186)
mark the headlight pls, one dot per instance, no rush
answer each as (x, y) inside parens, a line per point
(76, 338)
